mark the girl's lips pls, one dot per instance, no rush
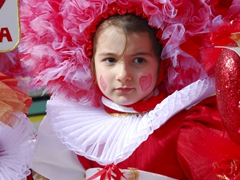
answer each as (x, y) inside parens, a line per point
(124, 90)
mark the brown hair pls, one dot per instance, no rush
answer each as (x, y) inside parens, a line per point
(130, 24)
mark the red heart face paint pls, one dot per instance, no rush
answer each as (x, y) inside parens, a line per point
(102, 83)
(145, 82)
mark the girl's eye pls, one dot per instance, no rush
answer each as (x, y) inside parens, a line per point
(110, 60)
(139, 60)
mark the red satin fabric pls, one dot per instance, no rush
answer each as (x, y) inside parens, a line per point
(191, 145)
(205, 150)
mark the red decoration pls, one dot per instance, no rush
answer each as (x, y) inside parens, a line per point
(228, 91)
(1, 3)
(107, 172)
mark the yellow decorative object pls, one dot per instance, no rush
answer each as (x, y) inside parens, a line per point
(11, 99)
(37, 176)
(133, 174)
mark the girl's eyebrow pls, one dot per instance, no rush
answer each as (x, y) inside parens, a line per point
(107, 54)
(142, 54)
(133, 54)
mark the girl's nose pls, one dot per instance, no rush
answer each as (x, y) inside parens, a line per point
(123, 72)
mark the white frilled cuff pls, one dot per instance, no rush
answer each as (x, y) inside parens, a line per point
(17, 147)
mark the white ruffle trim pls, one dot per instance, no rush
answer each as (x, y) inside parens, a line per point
(100, 137)
(117, 107)
(16, 148)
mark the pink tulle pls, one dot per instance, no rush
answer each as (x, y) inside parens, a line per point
(56, 39)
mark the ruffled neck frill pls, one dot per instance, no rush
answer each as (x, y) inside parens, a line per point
(17, 147)
(116, 107)
(98, 136)
(140, 107)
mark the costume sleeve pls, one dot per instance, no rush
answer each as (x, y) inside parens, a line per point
(53, 160)
(204, 149)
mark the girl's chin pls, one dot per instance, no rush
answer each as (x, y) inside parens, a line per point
(124, 100)
(125, 103)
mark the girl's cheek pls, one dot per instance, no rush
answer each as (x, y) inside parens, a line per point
(145, 82)
(102, 83)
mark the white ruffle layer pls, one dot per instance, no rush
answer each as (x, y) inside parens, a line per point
(16, 148)
(100, 137)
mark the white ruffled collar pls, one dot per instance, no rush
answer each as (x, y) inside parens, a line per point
(100, 137)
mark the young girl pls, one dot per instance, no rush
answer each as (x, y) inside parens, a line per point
(115, 112)
(16, 130)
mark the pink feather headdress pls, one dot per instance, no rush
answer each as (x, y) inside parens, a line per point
(57, 37)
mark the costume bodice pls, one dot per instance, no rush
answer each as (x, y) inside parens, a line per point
(158, 154)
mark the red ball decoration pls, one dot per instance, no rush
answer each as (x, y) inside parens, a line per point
(228, 92)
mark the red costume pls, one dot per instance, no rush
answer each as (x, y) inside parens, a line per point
(191, 145)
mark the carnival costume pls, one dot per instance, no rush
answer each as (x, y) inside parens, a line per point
(175, 136)
(16, 131)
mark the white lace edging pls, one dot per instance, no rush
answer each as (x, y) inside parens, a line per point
(100, 137)
(16, 148)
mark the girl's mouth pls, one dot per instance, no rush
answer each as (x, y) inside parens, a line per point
(124, 90)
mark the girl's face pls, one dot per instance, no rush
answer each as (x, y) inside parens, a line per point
(126, 66)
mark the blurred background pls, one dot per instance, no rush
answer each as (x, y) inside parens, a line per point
(37, 110)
